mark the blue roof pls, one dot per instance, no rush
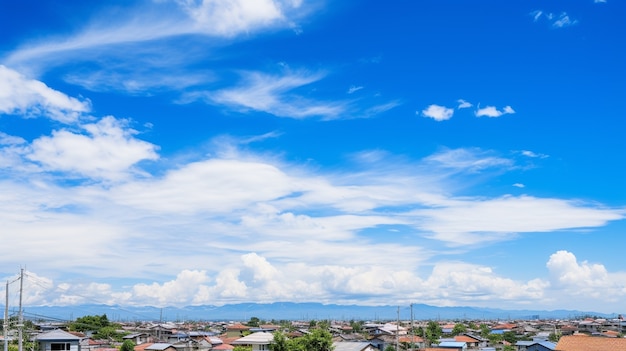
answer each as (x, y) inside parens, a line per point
(452, 344)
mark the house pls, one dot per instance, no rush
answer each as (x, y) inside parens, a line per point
(536, 345)
(588, 343)
(353, 346)
(259, 341)
(414, 340)
(58, 340)
(236, 330)
(452, 345)
(160, 346)
(137, 338)
(471, 340)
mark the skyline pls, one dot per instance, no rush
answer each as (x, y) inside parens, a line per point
(180, 152)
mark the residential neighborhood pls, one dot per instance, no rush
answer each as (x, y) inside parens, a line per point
(584, 334)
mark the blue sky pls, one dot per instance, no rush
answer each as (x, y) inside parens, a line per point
(186, 152)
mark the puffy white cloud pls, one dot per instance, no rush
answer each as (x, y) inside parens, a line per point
(107, 150)
(438, 113)
(232, 17)
(492, 111)
(28, 97)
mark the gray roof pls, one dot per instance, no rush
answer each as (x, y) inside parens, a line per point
(158, 346)
(57, 334)
(350, 346)
(260, 338)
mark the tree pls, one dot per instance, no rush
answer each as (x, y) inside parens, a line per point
(554, 337)
(89, 323)
(494, 338)
(127, 345)
(433, 332)
(254, 322)
(484, 330)
(508, 348)
(459, 328)
(242, 348)
(510, 336)
(317, 340)
(280, 342)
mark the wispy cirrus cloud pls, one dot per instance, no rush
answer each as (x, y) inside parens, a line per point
(556, 21)
(273, 94)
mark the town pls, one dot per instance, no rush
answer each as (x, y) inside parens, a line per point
(98, 333)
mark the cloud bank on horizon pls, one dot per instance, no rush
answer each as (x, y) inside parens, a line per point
(211, 152)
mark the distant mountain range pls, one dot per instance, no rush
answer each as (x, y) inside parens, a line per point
(292, 311)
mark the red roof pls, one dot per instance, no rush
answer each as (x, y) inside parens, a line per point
(581, 343)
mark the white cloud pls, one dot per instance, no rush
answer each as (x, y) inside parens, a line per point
(492, 111)
(470, 160)
(560, 21)
(564, 21)
(438, 113)
(28, 97)
(532, 154)
(584, 279)
(107, 150)
(274, 95)
(473, 221)
(353, 89)
(463, 104)
(519, 185)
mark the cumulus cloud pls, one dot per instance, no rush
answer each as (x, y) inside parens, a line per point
(31, 98)
(438, 113)
(106, 150)
(492, 111)
(584, 279)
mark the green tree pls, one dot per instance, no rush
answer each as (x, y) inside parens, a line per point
(316, 340)
(484, 330)
(254, 322)
(390, 348)
(242, 348)
(472, 326)
(508, 348)
(89, 323)
(495, 338)
(433, 332)
(459, 328)
(127, 345)
(510, 336)
(280, 342)
(554, 337)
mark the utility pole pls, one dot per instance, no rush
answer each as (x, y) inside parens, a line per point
(412, 330)
(398, 331)
(5, 326)
(20, 321)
